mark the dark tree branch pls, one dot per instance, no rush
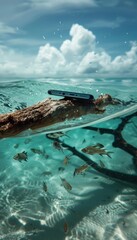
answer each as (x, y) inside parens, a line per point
(107, 172)
(119, 141)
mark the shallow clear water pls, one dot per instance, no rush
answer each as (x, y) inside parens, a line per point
(103, 200)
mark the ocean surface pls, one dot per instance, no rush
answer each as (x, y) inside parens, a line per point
(58, 191)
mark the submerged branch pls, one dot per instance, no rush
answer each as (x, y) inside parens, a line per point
(119, 140)
(107, 172)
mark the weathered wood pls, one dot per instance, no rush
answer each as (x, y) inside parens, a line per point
(46, 113)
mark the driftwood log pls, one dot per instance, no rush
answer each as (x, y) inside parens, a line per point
(49, 112)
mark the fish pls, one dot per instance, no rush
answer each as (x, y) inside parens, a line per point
(96, 150)
(65, 184)
(80, 169)
(66, 159)
(45, 188)
(57, 145)
(65, 227)
(21, 156)
(84, 140)
(37, 151)
(46, 173)
(61, 169)
(16, 145)
(56, 135)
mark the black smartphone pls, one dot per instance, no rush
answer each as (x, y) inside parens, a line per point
(74, 95)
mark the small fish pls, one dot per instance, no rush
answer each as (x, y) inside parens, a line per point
(37, 151)
(96, 150)
(57, 145)
(16, 145)
(65, 227)
(107, 211)
(84, 140)
(45, 188)
(61, 169)
(66, 159)
(21, 156)
(65, 184)
(7, 105)
(56, 135)
(80, 169)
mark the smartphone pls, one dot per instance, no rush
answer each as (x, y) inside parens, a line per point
(74, 95)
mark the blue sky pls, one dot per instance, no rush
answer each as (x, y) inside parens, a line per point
(41, 38)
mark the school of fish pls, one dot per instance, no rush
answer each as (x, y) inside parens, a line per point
(80, 170)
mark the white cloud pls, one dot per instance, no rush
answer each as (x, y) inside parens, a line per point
(94, 62)
(60, 4)
(24, 12)
(127, 62)
(13, 64)
(107, 24)
(27, 42)
(49, 60)
(54, 4)
(68, 57)
(5, 29)
(82, 41)
(77, 56)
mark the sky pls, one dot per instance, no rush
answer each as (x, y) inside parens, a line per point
(50, 38)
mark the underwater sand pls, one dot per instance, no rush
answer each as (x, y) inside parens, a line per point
(98, 207)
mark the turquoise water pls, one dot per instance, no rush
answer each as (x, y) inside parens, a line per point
(34, 203)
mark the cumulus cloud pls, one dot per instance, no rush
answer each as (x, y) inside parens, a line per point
(82, 40)
(94, 62)
(78, 56)
(81, 55)
(49, 60)
(70, 54)
(127, 62)
(14, 64)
